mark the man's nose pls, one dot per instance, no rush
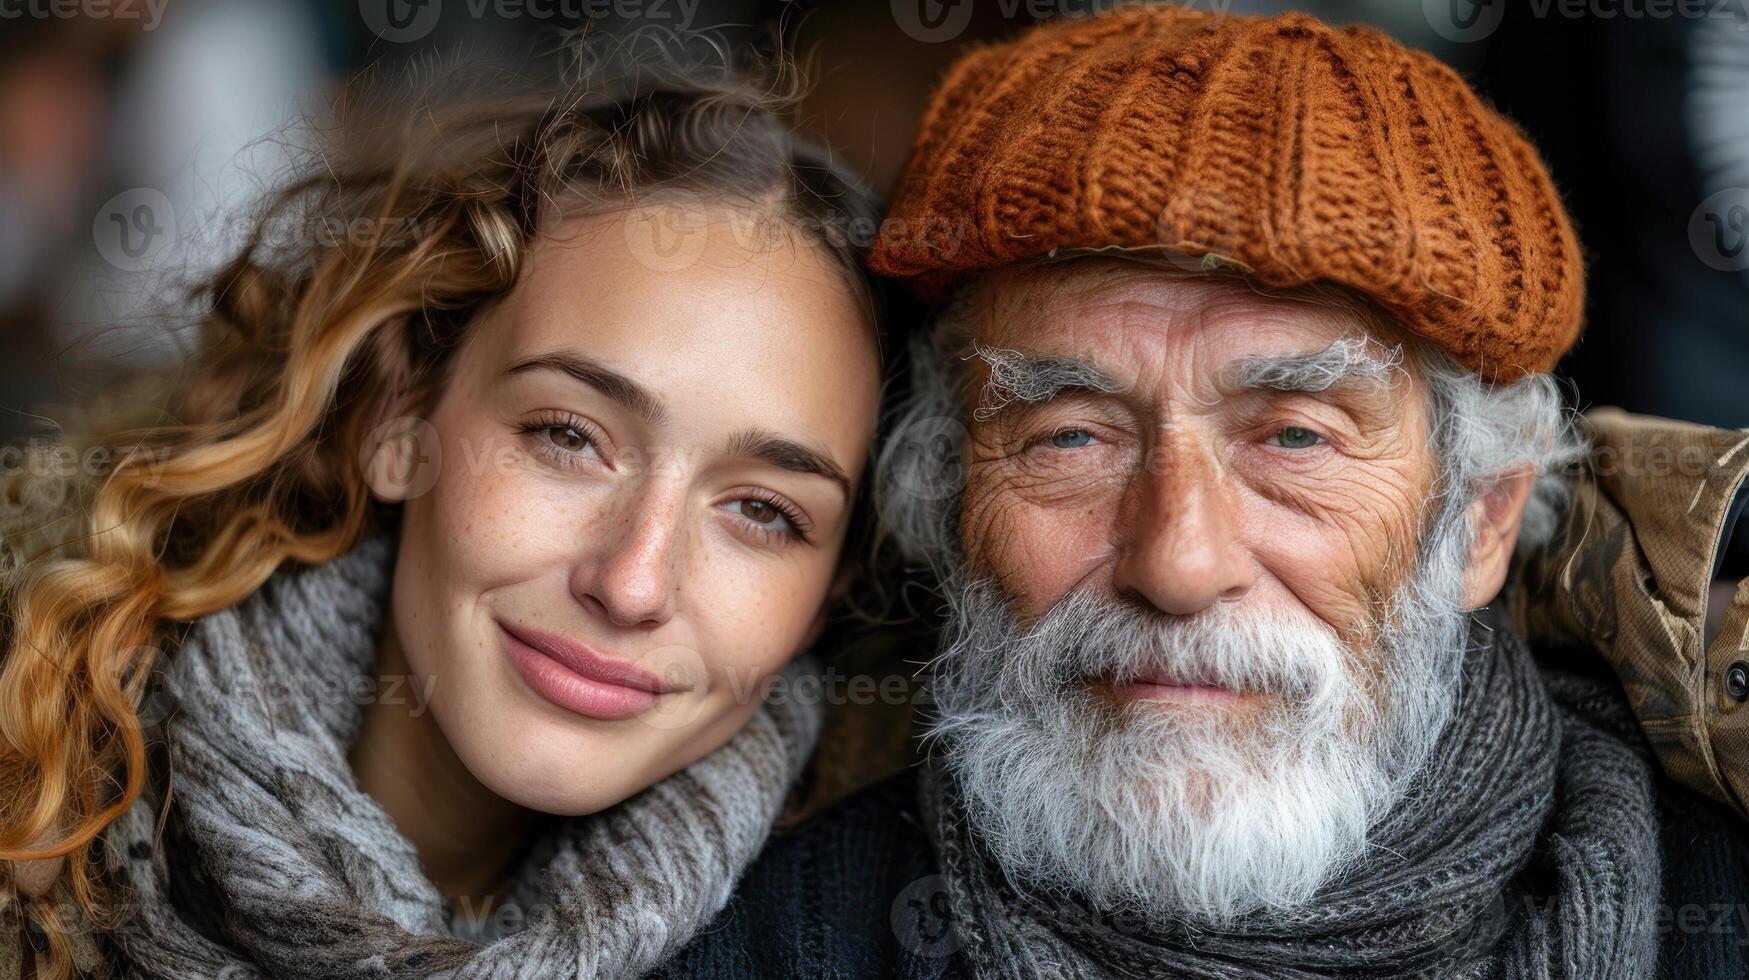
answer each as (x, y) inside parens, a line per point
(630, 569)
(1177, 549)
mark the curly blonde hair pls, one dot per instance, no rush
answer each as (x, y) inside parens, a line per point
(308, 343)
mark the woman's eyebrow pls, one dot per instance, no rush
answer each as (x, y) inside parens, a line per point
(602, 378)
(788, 454)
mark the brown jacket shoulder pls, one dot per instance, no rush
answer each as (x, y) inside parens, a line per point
(1630, 576)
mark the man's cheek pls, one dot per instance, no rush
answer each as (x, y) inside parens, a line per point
(1037, 537)
(1343, 575)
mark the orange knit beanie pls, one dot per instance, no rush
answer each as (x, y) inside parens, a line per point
(1298, 151)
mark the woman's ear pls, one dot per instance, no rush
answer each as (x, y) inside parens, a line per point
(401, 459)
(1496, 516)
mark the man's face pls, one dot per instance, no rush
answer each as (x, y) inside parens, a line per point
(1210, 611)
(1196, 479)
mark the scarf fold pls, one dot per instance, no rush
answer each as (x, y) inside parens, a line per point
(1527, 846)
(274, 863)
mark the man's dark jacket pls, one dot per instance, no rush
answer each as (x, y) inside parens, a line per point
(854, 893)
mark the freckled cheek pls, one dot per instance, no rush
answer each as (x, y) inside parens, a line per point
(497, 519)
(1040, 545)
(749, 614)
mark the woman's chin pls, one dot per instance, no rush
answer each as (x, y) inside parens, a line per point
(556, 769)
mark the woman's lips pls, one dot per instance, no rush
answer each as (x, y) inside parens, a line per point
(578, 679)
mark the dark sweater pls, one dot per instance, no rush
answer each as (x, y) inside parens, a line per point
(853, 894)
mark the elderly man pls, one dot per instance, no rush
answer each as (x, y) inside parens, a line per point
(1242, 356)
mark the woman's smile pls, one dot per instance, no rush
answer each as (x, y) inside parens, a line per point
(579, 679)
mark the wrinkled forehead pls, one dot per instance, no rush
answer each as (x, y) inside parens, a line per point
(1142, 324)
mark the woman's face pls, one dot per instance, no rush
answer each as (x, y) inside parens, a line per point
(629, 511)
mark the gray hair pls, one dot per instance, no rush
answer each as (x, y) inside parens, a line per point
(1481, 430)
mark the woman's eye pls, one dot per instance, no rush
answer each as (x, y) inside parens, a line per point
(1071, 438)
(1294, 437)
(569, 439)
(564, 443)
(768, 520)
(766, 517)
(760, 512)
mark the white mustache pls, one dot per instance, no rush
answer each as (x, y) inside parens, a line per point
(1086, 638)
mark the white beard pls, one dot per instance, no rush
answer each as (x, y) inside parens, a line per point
(1199, 813)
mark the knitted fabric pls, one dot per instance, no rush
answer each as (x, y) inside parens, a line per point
(1300, 152)
(1527, 847)
(274, 863)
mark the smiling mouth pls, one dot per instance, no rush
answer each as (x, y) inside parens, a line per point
(578, 679)
(1172, 688)
(1174, 692)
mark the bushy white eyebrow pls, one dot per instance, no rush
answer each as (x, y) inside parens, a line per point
(1345, 360)
(1016, 376)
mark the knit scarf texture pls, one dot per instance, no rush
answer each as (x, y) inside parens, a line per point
(272, 862)
(1527, 846)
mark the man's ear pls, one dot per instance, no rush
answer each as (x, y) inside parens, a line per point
(1496, 516)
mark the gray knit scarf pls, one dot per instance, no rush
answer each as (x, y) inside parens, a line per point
(273, 863)
(1538, 858)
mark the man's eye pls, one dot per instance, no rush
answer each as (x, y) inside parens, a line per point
(1294, 437)
(1071, 438)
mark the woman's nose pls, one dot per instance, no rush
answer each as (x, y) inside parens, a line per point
(630, 572)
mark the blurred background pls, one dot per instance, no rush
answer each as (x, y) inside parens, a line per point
(133, 131)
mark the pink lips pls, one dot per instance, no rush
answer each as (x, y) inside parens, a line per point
(578, 679)
(1164, 688)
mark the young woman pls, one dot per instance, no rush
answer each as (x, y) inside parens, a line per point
(437, 634)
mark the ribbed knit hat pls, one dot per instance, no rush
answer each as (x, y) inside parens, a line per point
(1301, 152)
